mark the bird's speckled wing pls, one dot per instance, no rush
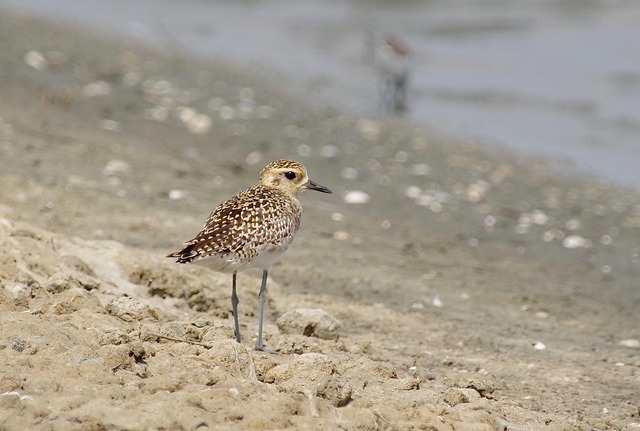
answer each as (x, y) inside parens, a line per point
(236, 229)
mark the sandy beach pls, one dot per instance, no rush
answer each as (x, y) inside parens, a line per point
(474, 289)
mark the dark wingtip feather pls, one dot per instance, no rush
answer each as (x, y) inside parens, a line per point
(185, 255)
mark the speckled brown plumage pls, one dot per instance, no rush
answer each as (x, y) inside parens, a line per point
(239, 228)
(253, 228)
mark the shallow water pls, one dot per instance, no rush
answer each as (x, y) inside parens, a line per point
(539, 77)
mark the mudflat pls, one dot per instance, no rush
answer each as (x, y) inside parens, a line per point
(443, 286)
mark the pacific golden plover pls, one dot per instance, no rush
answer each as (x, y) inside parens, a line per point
(252, 229)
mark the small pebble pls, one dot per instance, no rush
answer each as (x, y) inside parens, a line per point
(130, 309)
(113, 126)
(356, 197)
(175, 195)
(538, 345)
(630, 342)
(16, 394)
(36, 60)
(412, 192)
(539, 218)
(477, 191)
(574, 241)
(200, 124)
(552, 234)
(337, 217)
(311, 322)
(341, 235)
(115, 167)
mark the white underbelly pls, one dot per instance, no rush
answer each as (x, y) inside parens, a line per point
(266, 256)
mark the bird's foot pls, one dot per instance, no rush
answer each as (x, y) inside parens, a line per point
(265, 350)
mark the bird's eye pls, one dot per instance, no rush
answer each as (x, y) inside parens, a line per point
(290, 175)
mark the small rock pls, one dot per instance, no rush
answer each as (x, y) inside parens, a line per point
(574, 241)
(297, 345)
(59, 282)
(111, 125)
(411, 384)
(115, 167)
(334, 389)
(356, 197)
(539, 345)
(454, 397)
(130, 309)
(199, 124)
(18, 345)
(314, 375)
(12, 399)
(312, 322)
(176, 195)
(73, 299)
(36, 60)
(630, 342)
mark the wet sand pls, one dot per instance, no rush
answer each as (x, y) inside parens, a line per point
(474, 289)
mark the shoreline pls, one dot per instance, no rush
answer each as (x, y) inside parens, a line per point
(447, 97)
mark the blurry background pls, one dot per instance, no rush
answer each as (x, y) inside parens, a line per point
(553, 78)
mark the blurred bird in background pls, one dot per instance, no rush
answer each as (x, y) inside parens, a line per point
(390, 56)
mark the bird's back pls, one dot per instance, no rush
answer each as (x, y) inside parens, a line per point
(252, 229)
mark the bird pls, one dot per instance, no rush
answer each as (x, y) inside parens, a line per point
(253, 229)
(391, 58)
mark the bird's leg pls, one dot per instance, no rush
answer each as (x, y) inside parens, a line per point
(262, 297)
(400, 92)
(234, 305)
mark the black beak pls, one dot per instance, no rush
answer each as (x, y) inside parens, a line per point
(317, 187)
